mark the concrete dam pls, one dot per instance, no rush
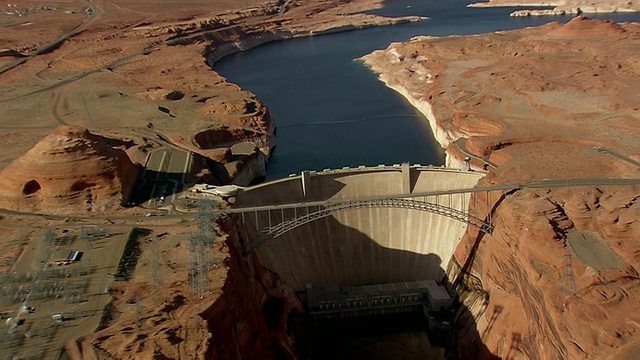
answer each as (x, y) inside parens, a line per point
(356, 227)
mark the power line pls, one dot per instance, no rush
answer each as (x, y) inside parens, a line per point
(201, 248)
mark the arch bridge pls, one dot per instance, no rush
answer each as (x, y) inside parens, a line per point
(283, 217)
(273, 221)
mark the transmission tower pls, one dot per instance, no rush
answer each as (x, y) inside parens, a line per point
(201, 248)
(49, 240)
(155, 263)
(193, 264)
(568, 277)
(205, 230)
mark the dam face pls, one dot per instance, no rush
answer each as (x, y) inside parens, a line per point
(370, 244)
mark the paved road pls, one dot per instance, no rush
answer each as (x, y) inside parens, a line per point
(536, 184)
(602, 150)
(461, 143)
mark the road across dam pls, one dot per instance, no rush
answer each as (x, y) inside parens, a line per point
(374, 243)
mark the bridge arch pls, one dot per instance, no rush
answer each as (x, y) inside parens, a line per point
(413, 204)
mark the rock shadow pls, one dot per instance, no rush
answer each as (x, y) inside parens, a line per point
(156, 186)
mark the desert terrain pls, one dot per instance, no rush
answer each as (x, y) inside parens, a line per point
(111, 111)
(562, 7)
(546, 103)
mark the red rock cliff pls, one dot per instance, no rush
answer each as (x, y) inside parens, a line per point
(253, 316)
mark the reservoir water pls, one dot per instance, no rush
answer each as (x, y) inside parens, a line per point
(331, 111)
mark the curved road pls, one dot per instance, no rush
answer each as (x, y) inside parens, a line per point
(461, 144)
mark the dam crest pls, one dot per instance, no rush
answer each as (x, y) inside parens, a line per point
(362, 226)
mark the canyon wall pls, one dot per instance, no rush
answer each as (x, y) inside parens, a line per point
(543, 299)
(256, 314)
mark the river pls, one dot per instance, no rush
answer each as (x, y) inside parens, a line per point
(331, 111)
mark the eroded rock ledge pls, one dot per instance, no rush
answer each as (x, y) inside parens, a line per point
(563, 7)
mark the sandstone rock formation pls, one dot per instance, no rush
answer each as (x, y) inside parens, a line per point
(71, 170)
(544, 12)
(563, 7)
(553, 102)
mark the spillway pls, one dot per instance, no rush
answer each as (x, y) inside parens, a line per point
(370, 243)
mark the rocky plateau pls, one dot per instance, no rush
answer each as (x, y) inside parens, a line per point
(551, 102)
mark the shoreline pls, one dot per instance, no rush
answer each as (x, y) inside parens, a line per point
(217, 51)
(547, 112)
(444, 137)
(560, 8)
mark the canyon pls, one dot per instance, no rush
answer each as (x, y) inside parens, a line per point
(561, 112)
(138, 76)
(554, 102)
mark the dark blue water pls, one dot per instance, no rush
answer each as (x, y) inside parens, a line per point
(331, 111)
